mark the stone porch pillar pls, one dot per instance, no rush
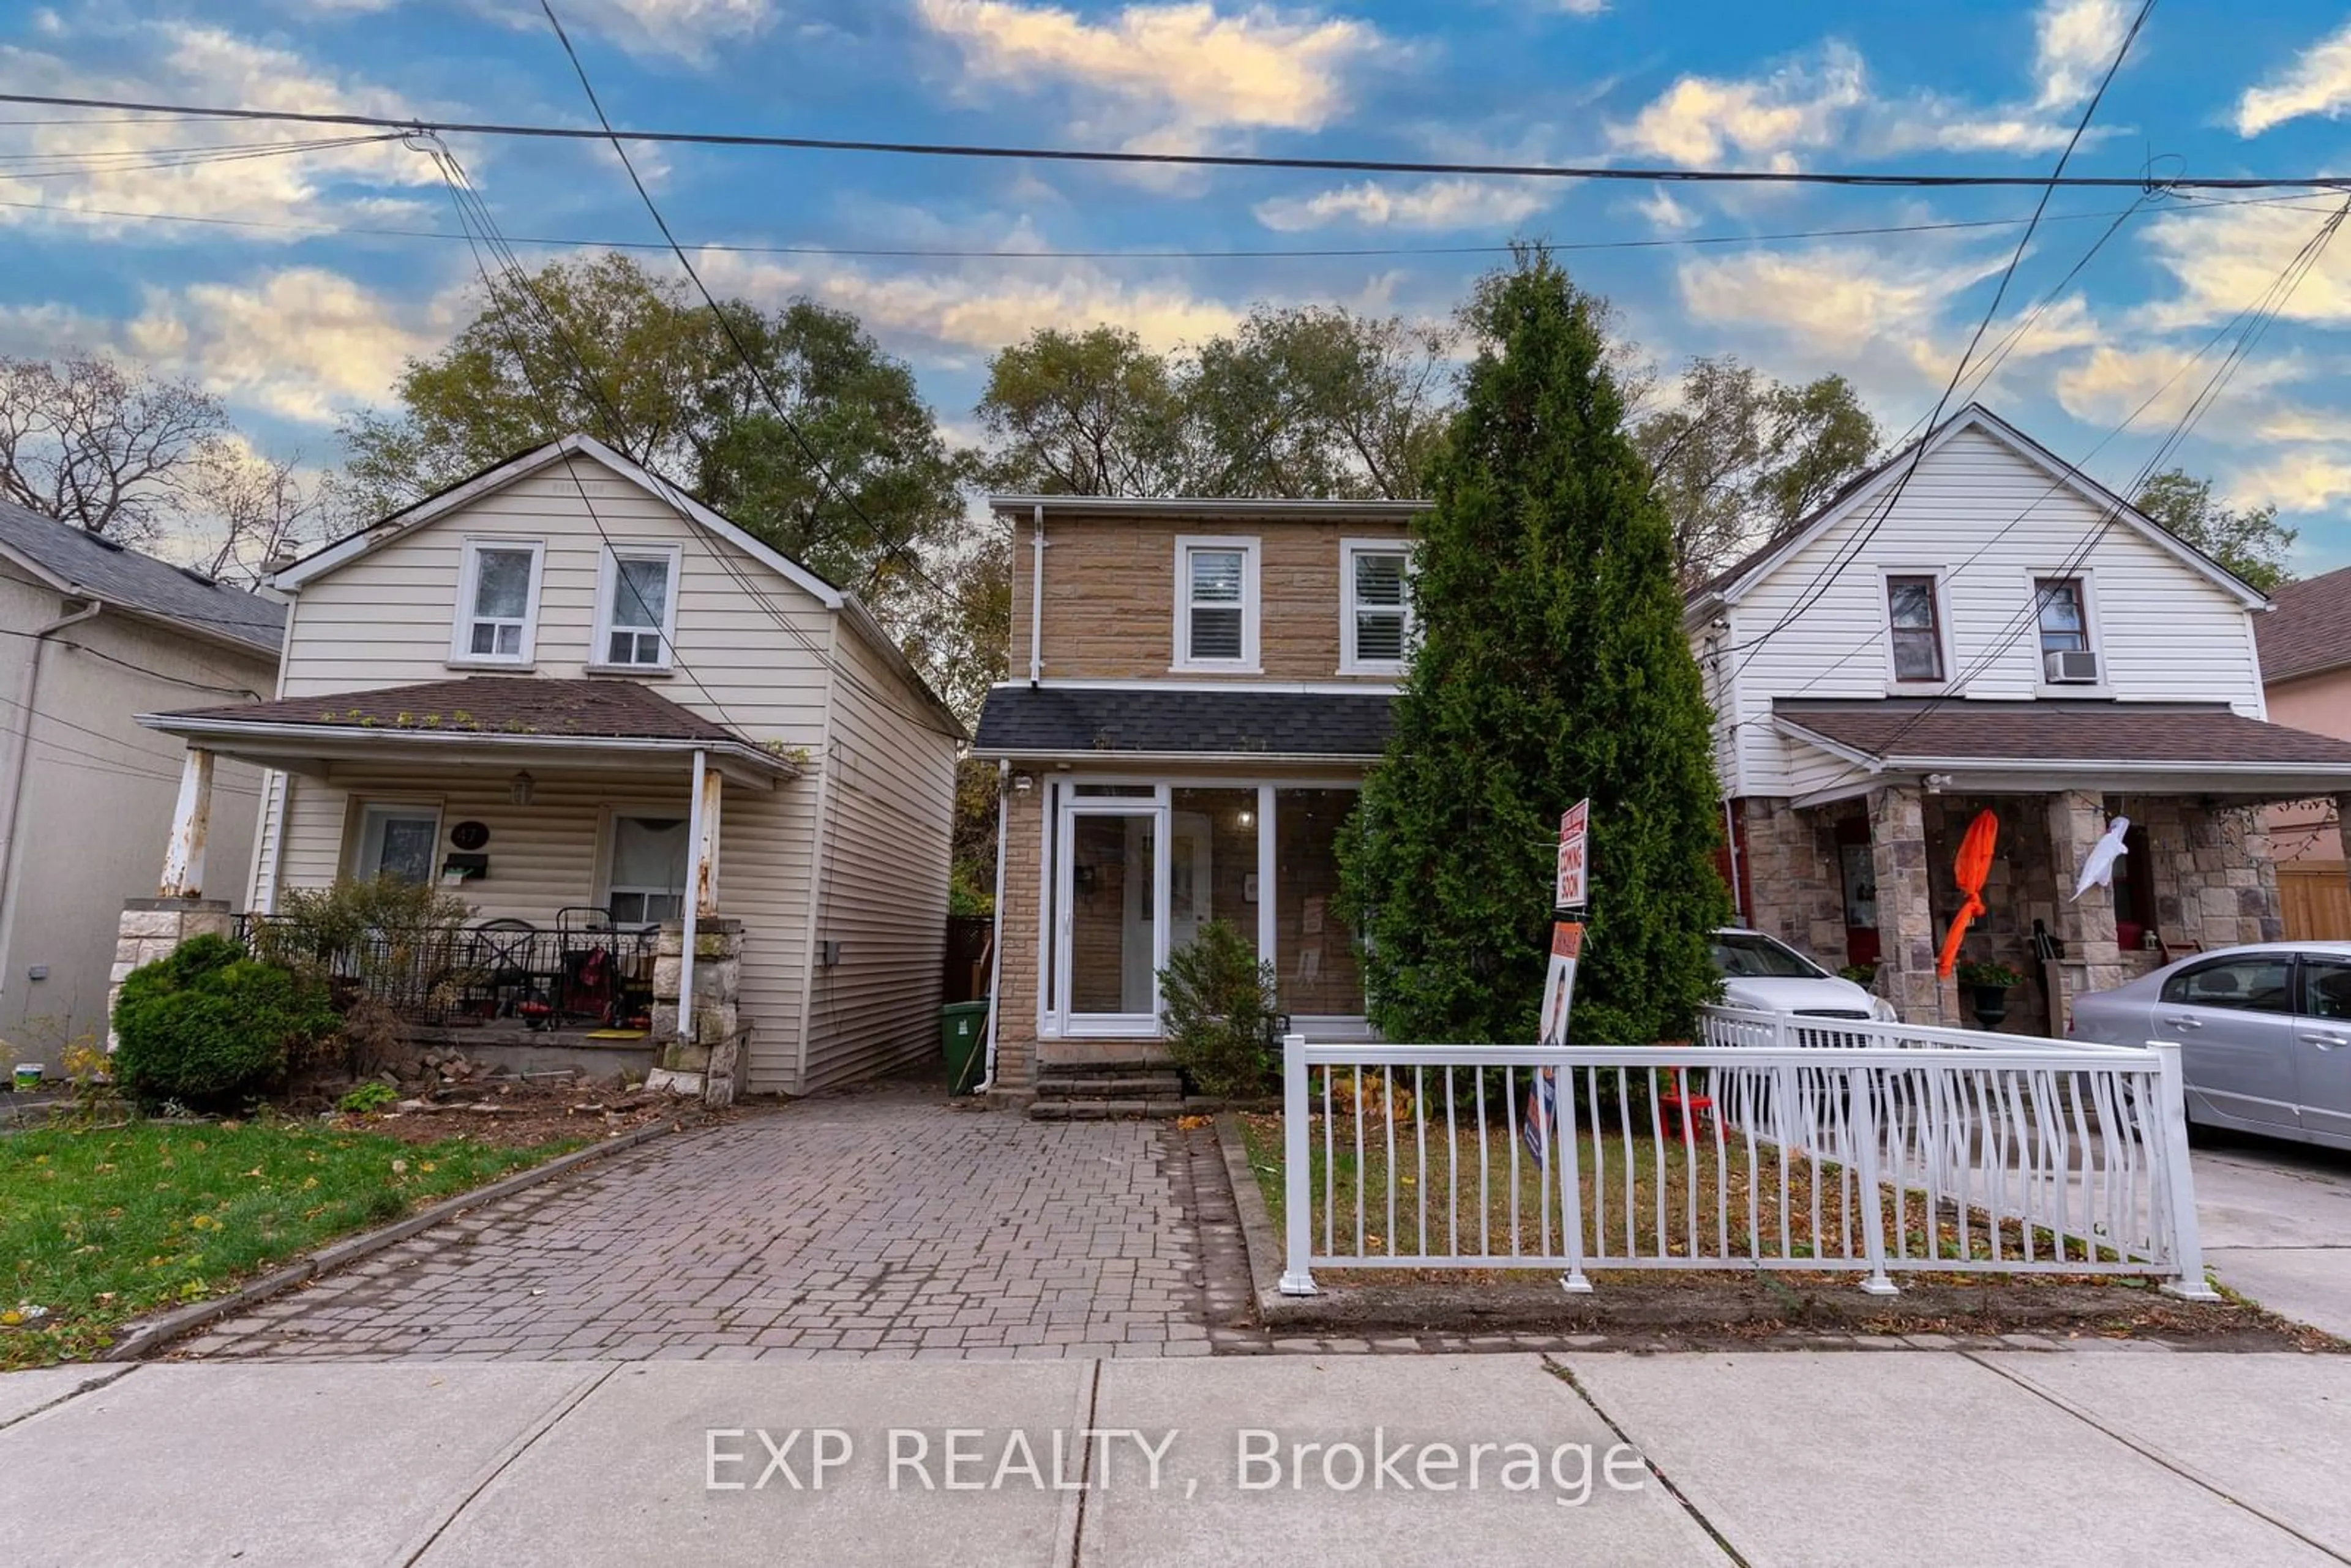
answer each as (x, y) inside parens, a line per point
(2093, 959)
(701, 1042)
(153, 928)
(1906, 917)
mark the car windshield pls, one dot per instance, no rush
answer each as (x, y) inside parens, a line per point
(1746, 955)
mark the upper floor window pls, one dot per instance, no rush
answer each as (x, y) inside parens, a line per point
(636, 607)
(497, 602)
(1375, 630)
(1215, 604)
(2062, 607)
(1914, 613)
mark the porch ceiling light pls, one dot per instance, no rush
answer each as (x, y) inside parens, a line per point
(518, 789)
(1247, 818)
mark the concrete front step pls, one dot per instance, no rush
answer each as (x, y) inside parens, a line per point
(1107, 1086)
(1105, 1109)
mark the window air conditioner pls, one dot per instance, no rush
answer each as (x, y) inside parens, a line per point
(2070, 666)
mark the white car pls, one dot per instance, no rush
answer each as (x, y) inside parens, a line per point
(1765, 974)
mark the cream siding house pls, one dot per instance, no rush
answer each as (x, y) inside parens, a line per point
(1976, 626)
(95, 635)
(586, 700)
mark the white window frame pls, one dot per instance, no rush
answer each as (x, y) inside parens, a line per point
(367, 810)
(1247, 664)
(1350, 662)
(460, 628)
(1894, 685)
(1059, 803)
(608, 579)
(608, 844)
(2092, 632)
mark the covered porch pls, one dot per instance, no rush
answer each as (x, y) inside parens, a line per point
(1860, 872)
(580, 822)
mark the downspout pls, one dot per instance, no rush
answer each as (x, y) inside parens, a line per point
(1037, 598)
(689, 1016)
(1731, 856)
(12, 799)
(996, 935)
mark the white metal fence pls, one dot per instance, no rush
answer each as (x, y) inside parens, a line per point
(1776, 1143)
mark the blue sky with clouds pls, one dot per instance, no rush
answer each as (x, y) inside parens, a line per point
(287, 306)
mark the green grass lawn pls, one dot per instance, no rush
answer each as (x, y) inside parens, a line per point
(97, 1226)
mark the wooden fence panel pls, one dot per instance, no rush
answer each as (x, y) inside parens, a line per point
(2316, 898)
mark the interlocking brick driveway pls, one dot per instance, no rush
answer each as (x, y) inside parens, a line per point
(877, 1224)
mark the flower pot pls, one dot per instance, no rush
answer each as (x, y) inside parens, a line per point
(1991, 1005)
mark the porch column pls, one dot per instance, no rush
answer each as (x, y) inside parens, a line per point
(705, 878)
(1906, 918)
(2093, 959)
(192, 818)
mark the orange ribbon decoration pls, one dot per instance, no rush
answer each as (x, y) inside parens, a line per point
(1974, 866)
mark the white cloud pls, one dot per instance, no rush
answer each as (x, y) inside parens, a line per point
(1837, 299)
(1668, 215)
(1580, 7)
(2307, 481)
(2318, 82)
(2075, 41)
(300, 342)
(954, 319)
(1798, 106)
(1456, 204)
(2227, 258)
(1165, 74)
(2110, 384)
(114, 166)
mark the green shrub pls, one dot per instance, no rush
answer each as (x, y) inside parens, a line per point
(1995, 974)
(375, 931)
(373, 1095)
(209, 1024)
(1220, 1005)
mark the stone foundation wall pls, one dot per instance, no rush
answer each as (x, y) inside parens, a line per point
(2214, 881)
(1795, 886)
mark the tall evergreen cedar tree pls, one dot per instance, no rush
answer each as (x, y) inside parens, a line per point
(1551, 667)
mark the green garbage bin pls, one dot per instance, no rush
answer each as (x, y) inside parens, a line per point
(963, 1038)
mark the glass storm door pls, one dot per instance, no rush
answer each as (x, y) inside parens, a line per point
(1109, 950)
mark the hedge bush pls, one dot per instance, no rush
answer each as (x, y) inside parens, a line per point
(209, 1024)
(1220, 1005)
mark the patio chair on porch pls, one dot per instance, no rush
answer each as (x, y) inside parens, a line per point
(501, 965)
(588, 982)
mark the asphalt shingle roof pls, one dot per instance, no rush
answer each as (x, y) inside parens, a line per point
(141, 583)
(1052, 720)
(2090, 732)
(492, 705)
(2308, 627)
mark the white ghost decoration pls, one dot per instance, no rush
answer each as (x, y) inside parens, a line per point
(2099, 867)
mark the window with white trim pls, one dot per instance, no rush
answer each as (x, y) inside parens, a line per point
(1215, 604)
(636, 607)
(648, 860)
(1375, 630)
(1914, 619)
(396, 840)
(497, 602)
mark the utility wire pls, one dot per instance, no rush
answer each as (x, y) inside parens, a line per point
(1839, 559)
(418, 126)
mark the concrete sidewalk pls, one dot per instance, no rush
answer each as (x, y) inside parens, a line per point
(1860, 1456)
(2276, 1223)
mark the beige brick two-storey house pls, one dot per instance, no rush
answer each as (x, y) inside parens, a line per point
(1197, 687)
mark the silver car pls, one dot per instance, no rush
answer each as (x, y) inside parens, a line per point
(2262, 1031)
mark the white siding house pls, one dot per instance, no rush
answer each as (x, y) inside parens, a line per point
(92, 635)
(550, 655)
(1975, 626)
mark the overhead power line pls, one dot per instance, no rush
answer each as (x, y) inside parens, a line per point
(420, 126)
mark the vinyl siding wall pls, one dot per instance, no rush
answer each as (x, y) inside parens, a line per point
(98, 794)
(2163, 632)
(384, 618)
(888, 805)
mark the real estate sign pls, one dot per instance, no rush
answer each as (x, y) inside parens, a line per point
(1575, 850)
(1559, 996)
